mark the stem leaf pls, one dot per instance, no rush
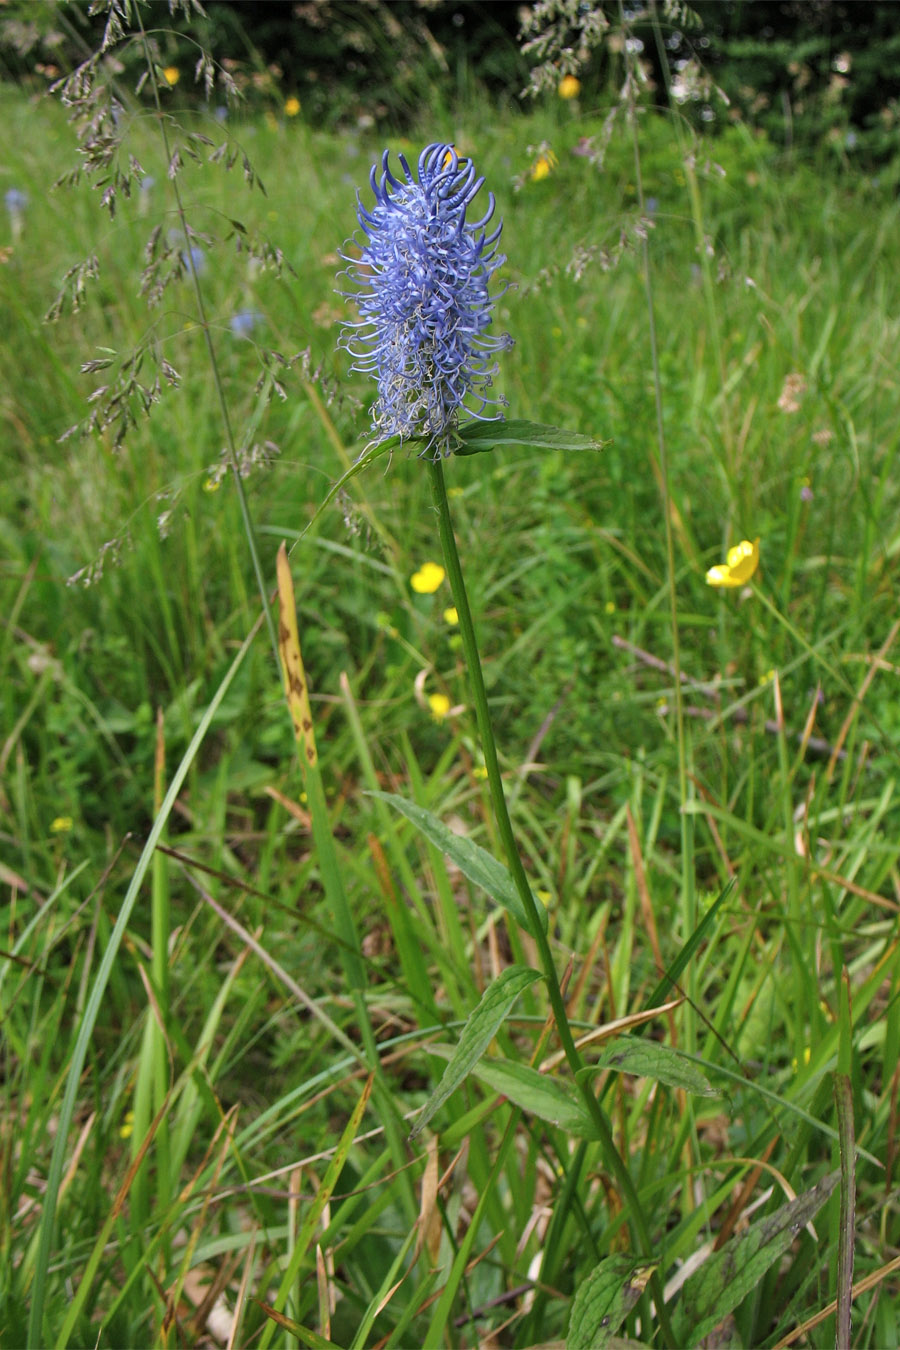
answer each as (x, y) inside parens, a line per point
(649, 1059)
(477, 437)
(730, 1274)
(547, 1098)
(483, 1022)
(604, 1300)
(472, 860)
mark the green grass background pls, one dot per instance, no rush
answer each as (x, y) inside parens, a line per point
(761, 267)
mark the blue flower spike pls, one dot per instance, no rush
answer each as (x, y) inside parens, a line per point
(424, 303)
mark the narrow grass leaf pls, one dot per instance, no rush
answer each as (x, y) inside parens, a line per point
(323, 1195)
(604, 1300)
(649, 1059)
(303, 1334)
(473, 861)
(478, 437)
(843, 1095)
(494, 1006)
(728, 1276)
(699, 935)
(295, 685)
(366, 458)
(36, 1335)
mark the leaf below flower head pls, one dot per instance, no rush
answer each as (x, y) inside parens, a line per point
(477, 437)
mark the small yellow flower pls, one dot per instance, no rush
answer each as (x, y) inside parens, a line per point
(61, 825)
(569, 87)
(743, 561)
(127, 1127)
(291, 106)
(543, 166)
(450, 615)
(767, 677)
(428, 578)
(171, 75)
(807, 1056)
(439, 705)
(610, 606)
(212, 485)
(479, 771)
(545, 897)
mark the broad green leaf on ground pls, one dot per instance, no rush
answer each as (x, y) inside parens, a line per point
(481, 436)
(604, 1300)
(728, 1276)
(494, 1006)
(472, 860)
(649, 1059)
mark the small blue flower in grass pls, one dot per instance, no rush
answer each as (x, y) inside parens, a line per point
(16, 201)
(243, 322)
(195, 260)
(424, 302)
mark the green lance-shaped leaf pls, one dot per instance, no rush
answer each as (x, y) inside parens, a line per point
(547, 1098)
(648, 1059)
(477, 437)
(727, 1277)
(604, 1300)
(472, 860)
(493, 1008)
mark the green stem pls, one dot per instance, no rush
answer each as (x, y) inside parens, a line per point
(230, 443)
(489, 747)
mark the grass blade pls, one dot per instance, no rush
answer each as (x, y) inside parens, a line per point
(36, 1333)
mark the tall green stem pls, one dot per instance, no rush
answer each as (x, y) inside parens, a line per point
(230, 442)
(485, 730)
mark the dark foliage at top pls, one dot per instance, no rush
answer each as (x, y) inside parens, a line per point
(803, 70)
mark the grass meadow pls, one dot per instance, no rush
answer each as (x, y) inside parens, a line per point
(702, 781)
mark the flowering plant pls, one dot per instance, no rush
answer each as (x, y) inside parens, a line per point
(424, 302)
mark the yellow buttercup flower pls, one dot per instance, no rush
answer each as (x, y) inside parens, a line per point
(291, 106)
(61, 825)
(439, 705)
(569, 87)
(126, 1129)
(743, 561)
(450, 615)
(543, 166)
(171, 75)
(428, 578)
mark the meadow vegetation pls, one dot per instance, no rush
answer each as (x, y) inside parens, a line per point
(702, 781)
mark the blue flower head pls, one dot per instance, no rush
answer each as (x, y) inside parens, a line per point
(424, 303)
(16, 200)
